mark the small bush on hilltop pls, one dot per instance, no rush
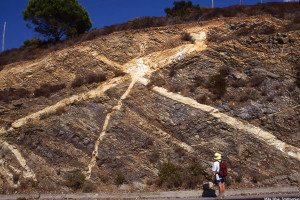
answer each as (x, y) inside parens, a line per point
(33, 41)
(183, 13)
(181, 8)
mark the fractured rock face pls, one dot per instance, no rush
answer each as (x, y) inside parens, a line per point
(174, 107)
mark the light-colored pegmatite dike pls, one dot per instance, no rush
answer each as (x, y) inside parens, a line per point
(257, 132)
(6, 169)
(137, 69)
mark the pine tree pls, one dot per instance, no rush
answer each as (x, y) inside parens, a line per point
(56, 19)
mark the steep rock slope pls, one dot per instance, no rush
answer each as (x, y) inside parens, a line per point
(170, 106)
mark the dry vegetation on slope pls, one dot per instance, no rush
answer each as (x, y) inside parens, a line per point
(83, 132)
(34, 49)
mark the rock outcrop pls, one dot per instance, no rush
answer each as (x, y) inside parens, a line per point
(163, 100)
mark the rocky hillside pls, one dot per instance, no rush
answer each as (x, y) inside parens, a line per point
(146, 110)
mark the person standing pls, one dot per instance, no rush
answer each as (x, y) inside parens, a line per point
(219, 172)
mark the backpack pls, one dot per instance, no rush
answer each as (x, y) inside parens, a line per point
(223, 169)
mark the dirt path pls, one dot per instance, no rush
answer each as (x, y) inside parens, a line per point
(191, 194)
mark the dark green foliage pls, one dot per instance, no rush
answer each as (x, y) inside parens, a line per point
(75, 180)
(292, 8)
(254, 95)
(169, 175)
(193, 175)
(196, 170)
(181, 8)
(55, 19)
(119, 179)
(33, 41)
(185, 176)
(34, 183)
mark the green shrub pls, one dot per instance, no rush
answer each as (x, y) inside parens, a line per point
(181, 8)
(169, 175)
(33, 41)
(119, 179)
(254, 95)
(34, 183)
(75, 180)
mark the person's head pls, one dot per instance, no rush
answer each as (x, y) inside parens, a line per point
(217, 156)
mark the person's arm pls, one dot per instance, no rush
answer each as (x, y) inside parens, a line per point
(213, 176)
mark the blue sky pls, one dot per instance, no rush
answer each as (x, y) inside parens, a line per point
(102, 13)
